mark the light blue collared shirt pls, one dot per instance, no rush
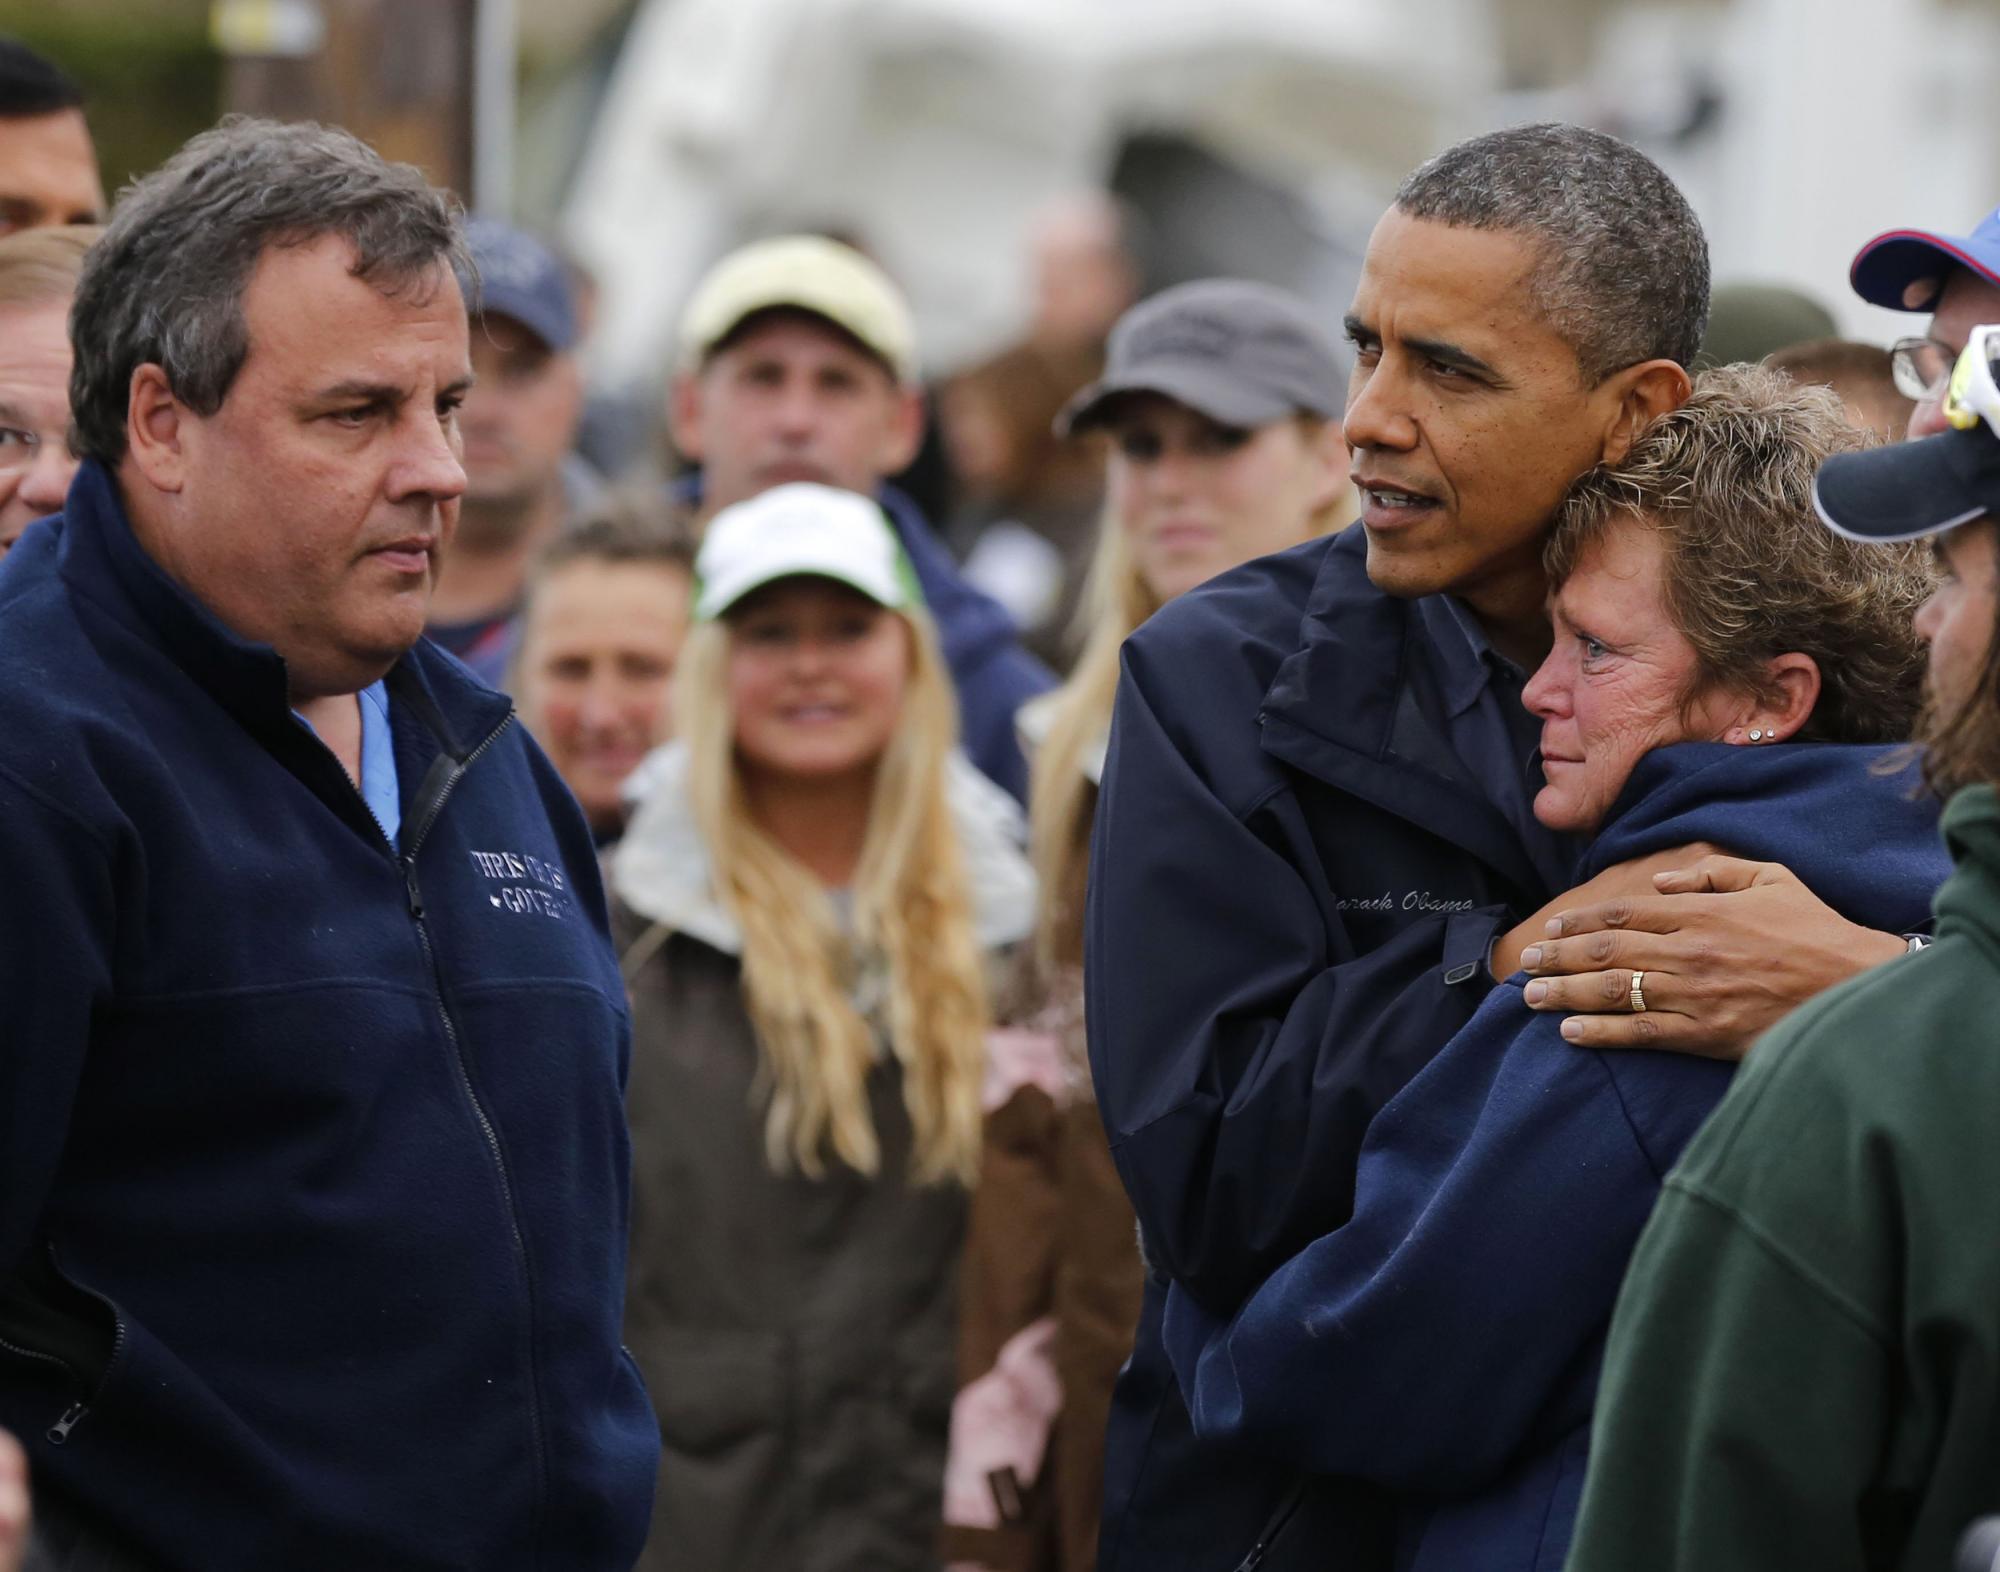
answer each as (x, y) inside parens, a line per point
(378, 761)
(1491, 731)
(379, 788)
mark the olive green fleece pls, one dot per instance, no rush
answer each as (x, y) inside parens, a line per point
(1804, 1367)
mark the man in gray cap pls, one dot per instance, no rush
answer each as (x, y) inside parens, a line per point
(519, 421)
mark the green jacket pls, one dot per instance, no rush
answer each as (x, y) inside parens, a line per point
(1804, 1368)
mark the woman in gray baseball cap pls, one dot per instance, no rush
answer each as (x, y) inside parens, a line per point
(1222, 401)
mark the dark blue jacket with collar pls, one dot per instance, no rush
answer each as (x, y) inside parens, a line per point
(313, 1168)
(1294, 885)
(1445, 1341)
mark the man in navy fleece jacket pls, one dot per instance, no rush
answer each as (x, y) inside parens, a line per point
(313, 1174)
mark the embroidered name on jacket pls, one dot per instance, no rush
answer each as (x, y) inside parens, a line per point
(527, 884)
(1408, 901)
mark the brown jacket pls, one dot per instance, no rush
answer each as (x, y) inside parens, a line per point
(1053, 1235)
(1052, 1238)
(797, 1335)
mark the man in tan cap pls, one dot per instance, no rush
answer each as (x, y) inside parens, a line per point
(798, 362)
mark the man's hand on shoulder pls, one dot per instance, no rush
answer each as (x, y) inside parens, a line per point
(1620, 881)
(1727, 948)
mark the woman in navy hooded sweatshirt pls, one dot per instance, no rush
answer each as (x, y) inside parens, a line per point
(1724, 671)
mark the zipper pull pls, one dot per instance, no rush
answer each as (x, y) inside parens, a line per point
(410, 885)
(1267, 1536)
(1255, 1559)
(72, 1417)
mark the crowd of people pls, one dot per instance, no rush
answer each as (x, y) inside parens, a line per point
(1362, 949)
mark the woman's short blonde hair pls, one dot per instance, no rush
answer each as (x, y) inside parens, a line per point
(1750, 572)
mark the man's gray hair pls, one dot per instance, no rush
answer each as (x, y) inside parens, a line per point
(1626, 264)
(165, 285)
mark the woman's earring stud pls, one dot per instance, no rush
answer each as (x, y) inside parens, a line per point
(1756, 736)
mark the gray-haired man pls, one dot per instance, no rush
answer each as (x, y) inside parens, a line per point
(312, 1165)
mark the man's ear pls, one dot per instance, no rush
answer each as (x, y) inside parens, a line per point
(906, 432)
(1644, 393)
(684, 415)
(156, 425)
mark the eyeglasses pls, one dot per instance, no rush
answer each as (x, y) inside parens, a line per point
(1919, 366)
(1973, 394)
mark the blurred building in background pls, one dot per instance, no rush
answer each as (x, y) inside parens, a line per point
(1260, 137)
(936, 130)
(153, 76)
(1252, 136)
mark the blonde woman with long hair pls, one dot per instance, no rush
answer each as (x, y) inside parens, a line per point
(812, 894)
(1221, 402)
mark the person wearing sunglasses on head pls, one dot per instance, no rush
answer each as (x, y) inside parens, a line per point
(1804, 1365)
(1954, 277)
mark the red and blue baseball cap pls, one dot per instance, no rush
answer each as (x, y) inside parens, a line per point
(1885, 269)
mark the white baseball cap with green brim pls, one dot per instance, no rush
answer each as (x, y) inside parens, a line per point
(802, 530)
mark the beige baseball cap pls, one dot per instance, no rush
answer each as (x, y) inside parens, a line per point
(804, 273)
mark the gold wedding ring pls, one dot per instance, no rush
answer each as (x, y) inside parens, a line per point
(1638, 993)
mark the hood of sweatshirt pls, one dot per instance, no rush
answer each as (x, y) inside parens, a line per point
(1971, 897)
(1846, 819)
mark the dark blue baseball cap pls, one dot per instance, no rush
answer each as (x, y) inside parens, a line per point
(1888, 265)
(523, 279)
(1907, 490)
